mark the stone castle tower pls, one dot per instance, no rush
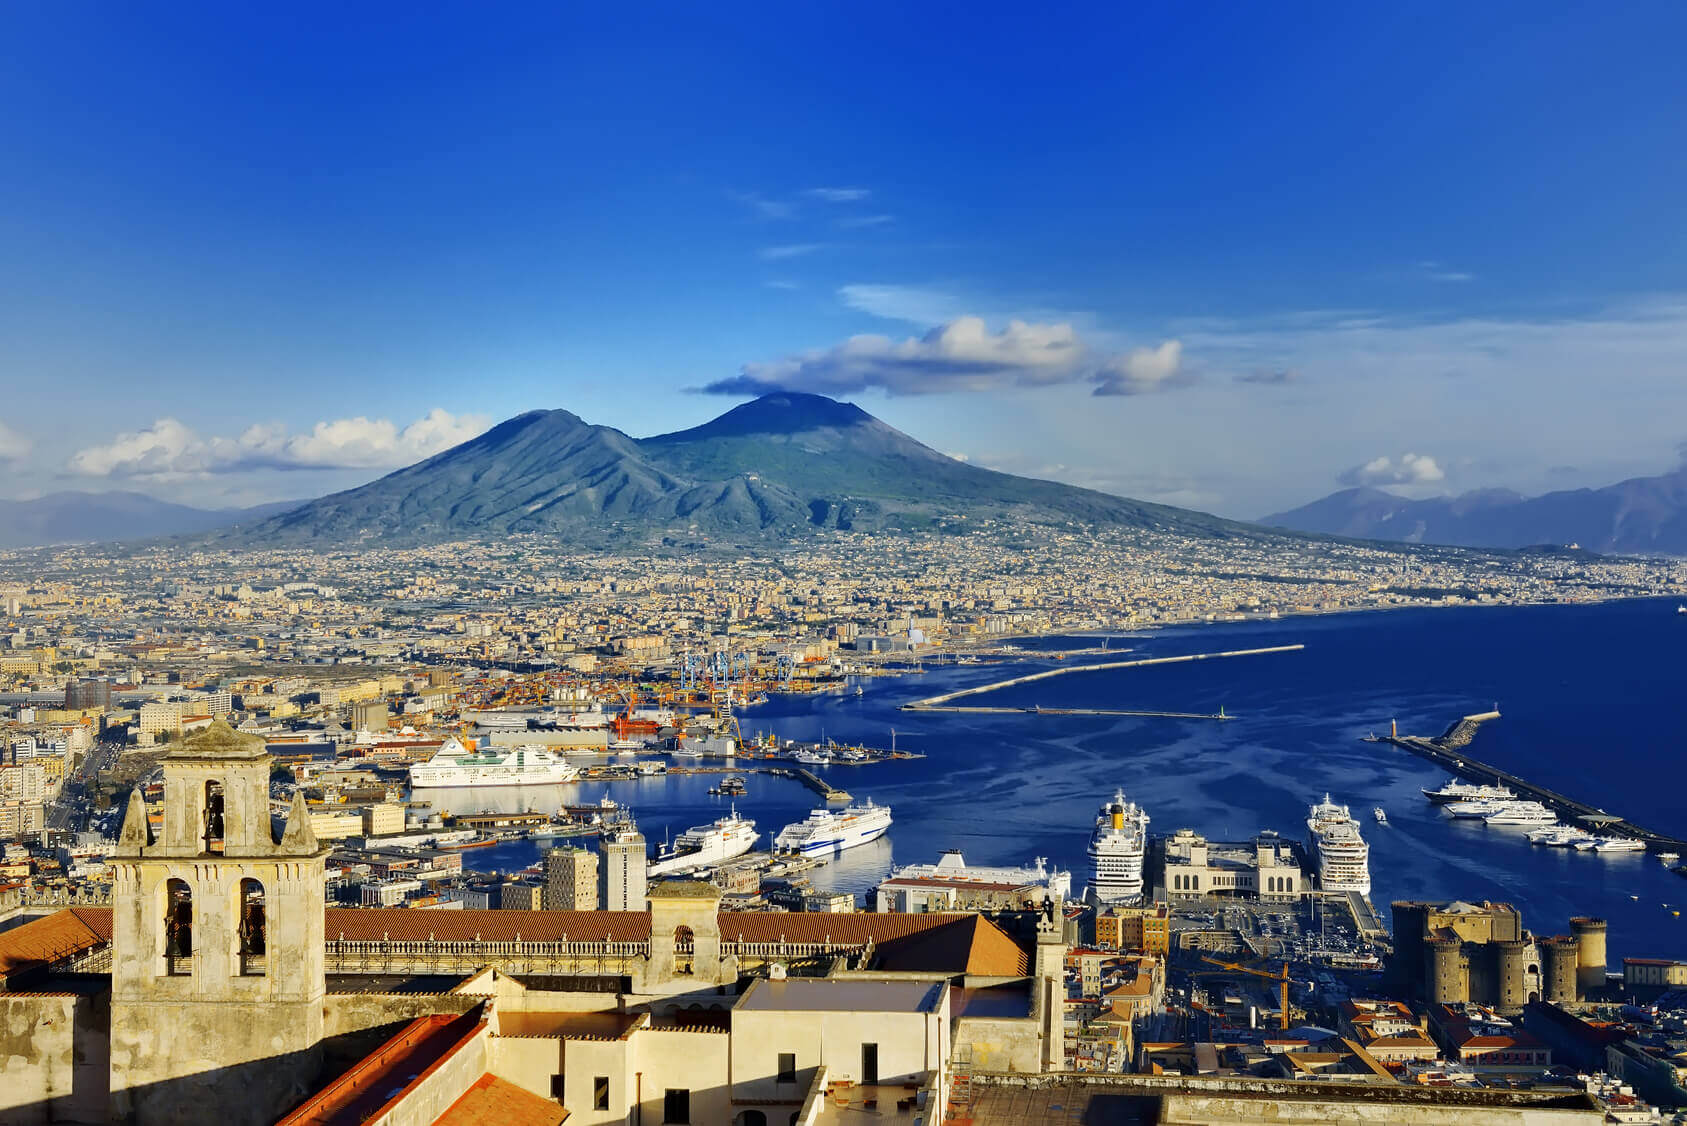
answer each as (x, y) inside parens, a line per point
(217, 977)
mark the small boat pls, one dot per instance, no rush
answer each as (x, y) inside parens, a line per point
(1380, 815)
(1666, 857)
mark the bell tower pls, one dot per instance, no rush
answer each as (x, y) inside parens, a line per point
(217, 976)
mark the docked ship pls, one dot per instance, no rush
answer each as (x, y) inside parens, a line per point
(456, 765)
(1456, 791)
(952, 867)
(705, 845)
(1116, 850)
(1477, 809)
(1522, 813)
(1344, 859)
(827, 831)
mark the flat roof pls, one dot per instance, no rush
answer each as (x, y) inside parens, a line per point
(844, 995)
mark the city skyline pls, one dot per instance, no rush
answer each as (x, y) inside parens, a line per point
(1218, 263)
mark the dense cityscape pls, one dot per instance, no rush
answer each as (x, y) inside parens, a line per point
(365, 687)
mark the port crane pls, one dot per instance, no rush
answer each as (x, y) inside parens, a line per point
(1281, 977)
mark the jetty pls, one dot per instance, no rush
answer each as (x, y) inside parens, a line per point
(820, 786)
(1447, 750)
(946, 701)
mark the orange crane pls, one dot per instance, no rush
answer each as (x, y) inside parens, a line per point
(1281, 977)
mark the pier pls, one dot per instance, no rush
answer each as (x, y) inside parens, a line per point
(1446, 750)
(944, 702)
(820, 786)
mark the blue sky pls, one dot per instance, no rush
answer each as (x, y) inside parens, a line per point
(1228, 255)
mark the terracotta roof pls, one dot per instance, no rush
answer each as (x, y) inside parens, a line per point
(400, 924)
(59, 935)
(381, 1079)
(963, 944)
(494, 1100)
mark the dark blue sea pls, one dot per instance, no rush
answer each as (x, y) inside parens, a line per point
(1590, 697)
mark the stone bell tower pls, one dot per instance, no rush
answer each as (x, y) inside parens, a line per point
(217, 976)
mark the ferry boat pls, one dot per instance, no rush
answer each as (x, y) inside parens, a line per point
(1457, 791)
(1619, 844)
(456, 765)
(1344, 859)
(951, 865)
(1116, 849)
(1559, 836)
(703, 845)
(827, 831)
(1522, 813)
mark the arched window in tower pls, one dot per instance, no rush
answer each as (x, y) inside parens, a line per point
(213, 817)
(684, 945)
(253, 929)
(178, 927)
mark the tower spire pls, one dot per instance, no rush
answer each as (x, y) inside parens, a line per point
(137, 832)
(298, 836)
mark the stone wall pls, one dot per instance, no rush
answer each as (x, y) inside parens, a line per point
(53, 1062)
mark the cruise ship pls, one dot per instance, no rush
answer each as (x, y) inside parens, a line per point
(1116, 850)
(456, 765)
(1455, 791)
(704, 845)
(826, 831)
(1343, 856)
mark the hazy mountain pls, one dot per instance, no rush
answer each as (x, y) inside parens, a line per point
(781, 465)
(73, 517)
(1643, 515)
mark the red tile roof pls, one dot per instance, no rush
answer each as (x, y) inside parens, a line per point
(964, 944)
(495, 1100)
(62, 934)
(378, 1081)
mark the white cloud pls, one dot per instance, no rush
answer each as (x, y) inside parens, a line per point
(13, 446)
(962, 354)
(766, 208)
(1141, 371)
(1411, 469)
(838, 195)
(911, 303)
(1437, 271)
(169, 449)
(856, 222)
(790, 250)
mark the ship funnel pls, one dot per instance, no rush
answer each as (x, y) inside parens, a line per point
(1118, 819)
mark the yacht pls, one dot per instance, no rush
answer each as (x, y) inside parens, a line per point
(1380, 814)
(1116, 850)
(704, 845)
(1522, 813)
(1619, 844)
(827, 831)
(457, 765)
(1343, 856)
(1457, 791)
(1476, 809)
(1558, 836)
(813, 757)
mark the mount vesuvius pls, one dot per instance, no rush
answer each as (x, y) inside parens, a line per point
(781, 466)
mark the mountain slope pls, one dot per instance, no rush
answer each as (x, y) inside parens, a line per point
(79, 517)
(1643, 515)
(783, 464)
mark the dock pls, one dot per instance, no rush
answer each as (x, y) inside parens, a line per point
(944, 702)
(1447, 750)
(820, 786)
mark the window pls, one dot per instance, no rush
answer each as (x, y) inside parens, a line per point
(600, 1093)
(676, 1106)
(178, 927)
(252, 926)
(787, 1067)
(556, 1088)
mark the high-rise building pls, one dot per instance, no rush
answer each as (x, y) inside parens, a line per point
(570, 880)
(621, 882)
(87, 694)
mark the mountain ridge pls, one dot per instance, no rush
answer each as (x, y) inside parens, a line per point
(781, 465)
(74, 516)
(1636, 516)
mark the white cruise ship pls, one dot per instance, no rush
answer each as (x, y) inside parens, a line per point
(704, 845)
(1344, 859)
(1456, 791)
(952, 866)
(456, 765)
(826, 831)
(1116, 850)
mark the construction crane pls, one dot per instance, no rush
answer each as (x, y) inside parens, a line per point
(1281, 977)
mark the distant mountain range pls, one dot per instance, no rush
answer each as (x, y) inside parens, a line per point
(781, 466)
(1643, 515)
(72, 517)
